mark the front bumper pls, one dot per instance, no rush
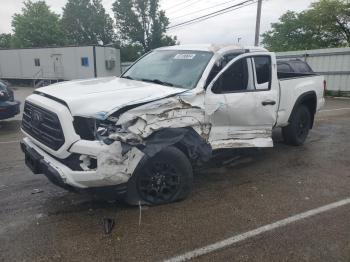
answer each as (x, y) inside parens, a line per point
(38, 165)
(59, 174)
(9, 109)
(41, 163)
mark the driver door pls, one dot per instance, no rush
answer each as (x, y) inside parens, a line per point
(241, 103)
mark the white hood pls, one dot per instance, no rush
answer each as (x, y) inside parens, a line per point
(101, 97)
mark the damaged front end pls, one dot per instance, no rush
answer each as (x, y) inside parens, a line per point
(127, 136)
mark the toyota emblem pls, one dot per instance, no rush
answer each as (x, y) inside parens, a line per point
(36, 118)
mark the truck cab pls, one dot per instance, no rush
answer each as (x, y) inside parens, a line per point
(139, 135)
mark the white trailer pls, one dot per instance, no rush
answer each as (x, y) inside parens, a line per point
(59, 63)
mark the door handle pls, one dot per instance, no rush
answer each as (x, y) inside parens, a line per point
(268, 103)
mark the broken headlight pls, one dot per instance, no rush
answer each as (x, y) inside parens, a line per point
(105, 128)
(92, 129)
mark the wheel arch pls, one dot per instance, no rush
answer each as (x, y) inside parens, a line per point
(308, 99)
(186, 139)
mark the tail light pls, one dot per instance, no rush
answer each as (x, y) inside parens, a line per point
(324, 87)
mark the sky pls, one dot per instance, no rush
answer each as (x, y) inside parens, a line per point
(226, 28)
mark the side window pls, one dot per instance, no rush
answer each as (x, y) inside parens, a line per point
(262, 66)
(228, 58)
(234, 79)
(217, 68)
(85, 61)
(37, 62)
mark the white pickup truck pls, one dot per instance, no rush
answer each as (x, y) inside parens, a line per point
(138, 135)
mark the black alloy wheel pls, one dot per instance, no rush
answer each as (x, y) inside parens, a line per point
(164, 178)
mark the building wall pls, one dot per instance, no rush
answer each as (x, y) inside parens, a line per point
(333, 63)
(104, 54)
(57, 63)
(72, 63)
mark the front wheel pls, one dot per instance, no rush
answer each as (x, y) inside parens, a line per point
(164, 178)
(298, 129)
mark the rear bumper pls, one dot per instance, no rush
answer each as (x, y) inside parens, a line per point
(42, 163)
(9, 109)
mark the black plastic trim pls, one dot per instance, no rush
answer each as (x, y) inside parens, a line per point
(299, 101)
(47, 129)
(95, 65)
(52, 98)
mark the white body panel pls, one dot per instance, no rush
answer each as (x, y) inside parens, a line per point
(224, 121)
(98, 98)
(239, 119)
(292, 89)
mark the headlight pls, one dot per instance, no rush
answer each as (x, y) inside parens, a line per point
(92, 129)
(105, 128)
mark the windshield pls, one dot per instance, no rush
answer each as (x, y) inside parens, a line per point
(2, 86)
(171, 67)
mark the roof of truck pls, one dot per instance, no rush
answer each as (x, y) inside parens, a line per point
(214, 48)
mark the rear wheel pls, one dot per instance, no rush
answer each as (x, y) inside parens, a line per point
(164, 178)
(298, 129)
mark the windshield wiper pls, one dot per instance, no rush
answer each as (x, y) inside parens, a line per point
(157, 81)
(128, 77)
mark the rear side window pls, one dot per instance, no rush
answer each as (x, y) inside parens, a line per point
(262, 66)
(301, 67)
(284, 68)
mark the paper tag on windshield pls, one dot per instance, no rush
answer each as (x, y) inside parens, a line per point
(185, 56)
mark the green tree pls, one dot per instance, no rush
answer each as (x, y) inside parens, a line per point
(140, 22)
(87, 23)
(325, 24)
(5, 40)
(334, 19)
(37, 26)
(130, 52)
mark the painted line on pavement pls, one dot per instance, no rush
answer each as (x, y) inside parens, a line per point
(337, 109)
(10, 142)
(244, 236)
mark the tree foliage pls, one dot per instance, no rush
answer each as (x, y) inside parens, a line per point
(325, 24)
(141, 22)
(5, 40)
(87, 23)
(130, 52)
(37, 26)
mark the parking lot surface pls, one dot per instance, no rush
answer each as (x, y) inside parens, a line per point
(236, 192)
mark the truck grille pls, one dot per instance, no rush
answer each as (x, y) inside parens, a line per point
(42, 125)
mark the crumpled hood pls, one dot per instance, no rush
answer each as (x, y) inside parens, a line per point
(101, 97)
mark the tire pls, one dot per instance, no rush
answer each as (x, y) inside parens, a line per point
(298, 129)
(164, 178)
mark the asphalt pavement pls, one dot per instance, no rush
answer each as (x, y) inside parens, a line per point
(235, 193)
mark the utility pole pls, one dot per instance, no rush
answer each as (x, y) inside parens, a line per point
(258, 18)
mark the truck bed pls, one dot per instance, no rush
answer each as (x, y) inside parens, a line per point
(294, 85)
